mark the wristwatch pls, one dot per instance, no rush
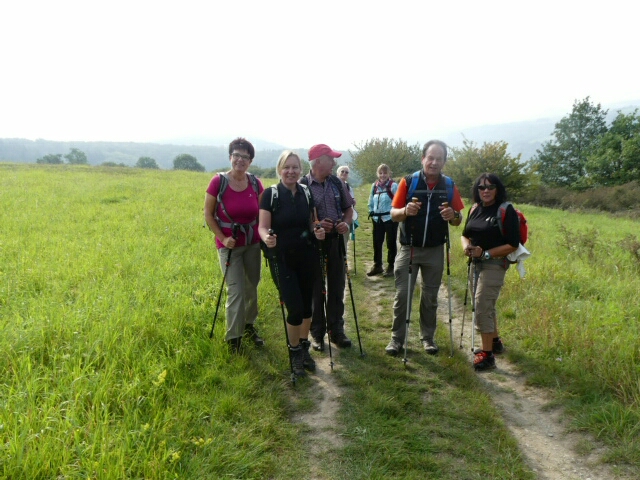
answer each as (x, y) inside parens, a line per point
(457, 215)
(486, 255)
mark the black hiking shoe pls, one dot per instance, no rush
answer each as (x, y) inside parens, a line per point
(308, 362)
(394, 347)
(389, 271)
(430, 346)
(484, 361)
(296, 354)
(234, 344)
(317, 343)
(340, 339)
(376, 270)
(251, 333)
(497, 346)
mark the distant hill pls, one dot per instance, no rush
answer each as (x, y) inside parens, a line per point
(21, 150)
(523, 137)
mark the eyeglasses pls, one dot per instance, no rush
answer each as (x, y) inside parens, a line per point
(344, 172)
(482, 188)
(238, 156)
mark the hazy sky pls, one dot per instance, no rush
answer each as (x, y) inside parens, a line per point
(299, 73)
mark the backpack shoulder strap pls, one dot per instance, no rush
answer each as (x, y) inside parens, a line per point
(274, 198)
(254, 183)
(412, 181)
(449, 184)
(502, 213)
(389, 185)
(307, 194)
(338, 185)
(224, 183)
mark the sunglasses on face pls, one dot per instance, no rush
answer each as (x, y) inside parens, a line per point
(482, 188)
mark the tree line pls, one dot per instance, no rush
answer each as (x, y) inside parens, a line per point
(584, 153)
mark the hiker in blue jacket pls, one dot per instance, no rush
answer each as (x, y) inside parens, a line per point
(487, 247)
(379, 204)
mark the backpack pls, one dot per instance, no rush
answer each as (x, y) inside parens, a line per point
(502, 213)
(274, 197)
(247, 228)
(389, 185)
(412, 181)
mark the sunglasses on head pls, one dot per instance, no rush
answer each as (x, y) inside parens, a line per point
(482, 188)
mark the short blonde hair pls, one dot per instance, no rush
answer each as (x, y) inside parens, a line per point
(341, 168)
(284, 156)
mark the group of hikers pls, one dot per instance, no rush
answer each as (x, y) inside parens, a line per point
(302, 225)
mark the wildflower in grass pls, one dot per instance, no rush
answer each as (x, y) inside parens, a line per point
(161, 378)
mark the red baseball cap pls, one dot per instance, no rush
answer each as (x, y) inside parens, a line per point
(321, 149)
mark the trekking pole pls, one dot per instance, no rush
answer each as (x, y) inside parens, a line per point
(353, 304)
(275, 274)
(473, 306)
(324, 292)
(409, 294)
(466, 291)
(234, 234)
(446, 204)
(355, 265)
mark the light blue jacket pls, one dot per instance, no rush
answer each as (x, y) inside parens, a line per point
(380, 202)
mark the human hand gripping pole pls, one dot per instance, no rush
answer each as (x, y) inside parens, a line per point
(234, 234)
(409, 289)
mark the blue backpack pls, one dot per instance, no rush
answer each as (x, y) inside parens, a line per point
(412, 181)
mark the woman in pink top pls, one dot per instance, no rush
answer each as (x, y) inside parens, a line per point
(231, 207)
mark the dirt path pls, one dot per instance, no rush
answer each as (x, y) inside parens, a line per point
(550, 450)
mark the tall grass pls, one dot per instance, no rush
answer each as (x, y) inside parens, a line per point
(108, 282)
(107, 286)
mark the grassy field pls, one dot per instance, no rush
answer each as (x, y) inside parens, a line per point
(108, 283)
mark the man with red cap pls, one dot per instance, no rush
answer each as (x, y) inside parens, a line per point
(334, 212)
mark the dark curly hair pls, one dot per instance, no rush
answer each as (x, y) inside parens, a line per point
(501, 192)
(242, 144)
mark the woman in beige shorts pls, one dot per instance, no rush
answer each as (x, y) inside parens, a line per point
(487, 247)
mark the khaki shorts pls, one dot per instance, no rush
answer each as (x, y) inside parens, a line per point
(490, 281)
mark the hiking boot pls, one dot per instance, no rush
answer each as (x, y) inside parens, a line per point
(430, 346)
(340, 339)
(251, 333)
(376, 270)
(296, 354)
(497, 346)
(234, 344)
(484, 361)
(308, 362)
(394, 347)
(317, 343)
(389, 271)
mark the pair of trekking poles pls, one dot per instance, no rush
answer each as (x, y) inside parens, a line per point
(323, 269)
(410, 289)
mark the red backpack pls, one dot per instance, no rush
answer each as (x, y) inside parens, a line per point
(522, 221)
